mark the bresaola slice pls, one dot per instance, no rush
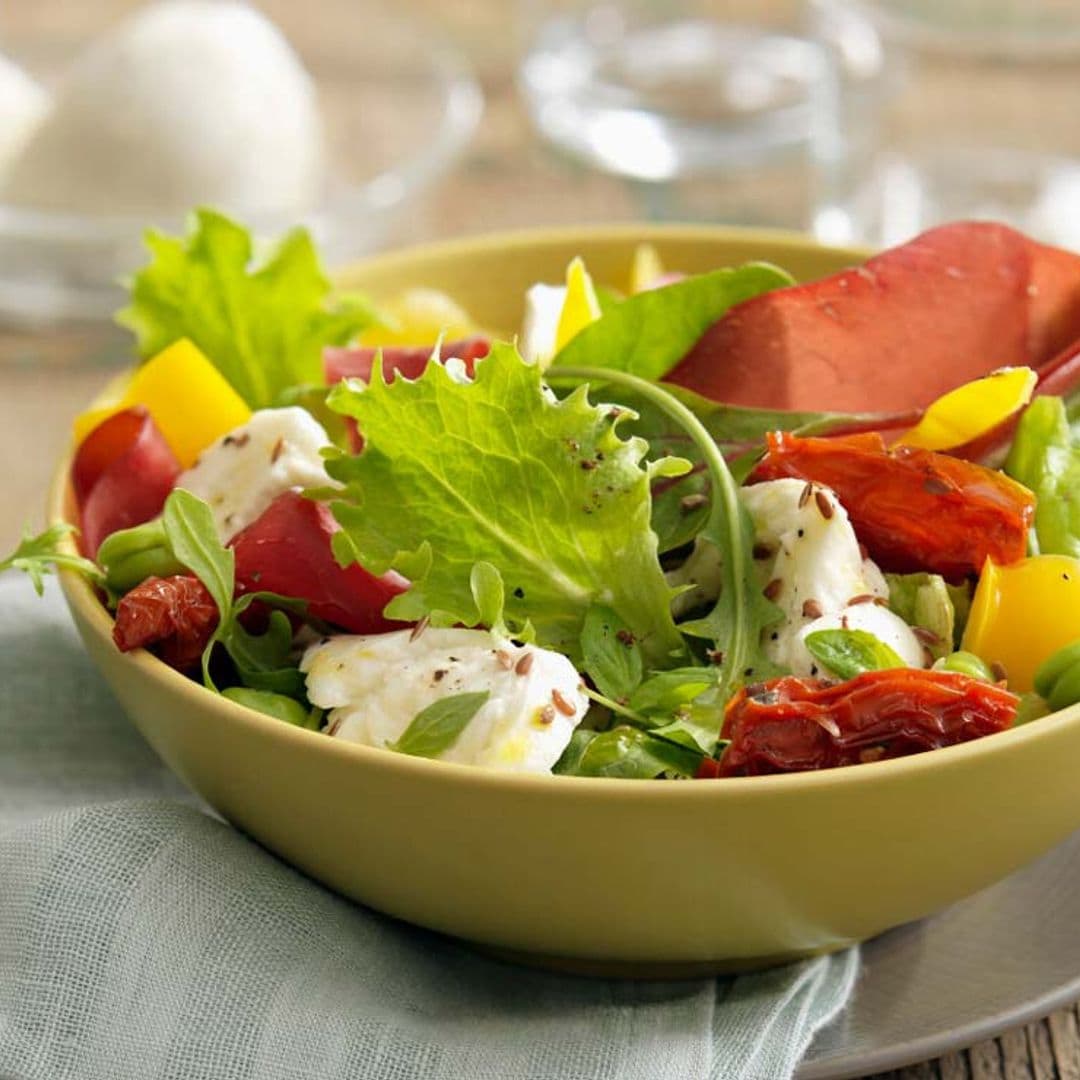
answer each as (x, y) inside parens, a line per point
(409, 361)
(122, 473)
(286, 550)
(912, 323)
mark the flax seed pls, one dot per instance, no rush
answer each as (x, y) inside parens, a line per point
(811, 609)
(419, 628)
(926, 635)
(279, 446)
(763, 551)
(562, 704)
(825, 507)
(772, 590)
(862, 598)
(547, 715)
(524, 664)
(804, 495)
(505, 660)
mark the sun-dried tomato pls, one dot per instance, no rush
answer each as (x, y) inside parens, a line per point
(795, 724)
(173, 616)
(913, 509)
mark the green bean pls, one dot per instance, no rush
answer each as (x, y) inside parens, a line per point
(1052, 669)
(966, 663)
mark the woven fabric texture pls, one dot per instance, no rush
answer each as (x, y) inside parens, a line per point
(142, 939)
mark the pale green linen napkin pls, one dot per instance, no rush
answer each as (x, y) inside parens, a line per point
(144, 940)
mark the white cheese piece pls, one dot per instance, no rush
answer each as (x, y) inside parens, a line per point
(814, 558)
(374, 685)
(184, 102)
(540, 327)
(277, 450)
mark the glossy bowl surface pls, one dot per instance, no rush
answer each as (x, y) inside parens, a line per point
(606, 876)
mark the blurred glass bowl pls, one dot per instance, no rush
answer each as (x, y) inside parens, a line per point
(399, 104)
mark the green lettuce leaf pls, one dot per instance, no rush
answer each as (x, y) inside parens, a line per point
(263, 326)
(454, 473)
(649, 333)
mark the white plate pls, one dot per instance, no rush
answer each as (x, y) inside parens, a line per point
(1006, 956)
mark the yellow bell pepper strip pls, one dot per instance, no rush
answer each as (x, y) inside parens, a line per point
(971, 410)
(1023, 613)
(419, 317)
(189, 399)
(581, 305)
(646, 268)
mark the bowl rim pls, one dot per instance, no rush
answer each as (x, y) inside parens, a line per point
(84, 601)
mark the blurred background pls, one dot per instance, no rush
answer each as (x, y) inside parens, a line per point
(378, 123)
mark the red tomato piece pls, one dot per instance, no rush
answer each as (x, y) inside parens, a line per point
(121, 475)
(912, 323)
(793, 724)
(174, 616)
(913, 509)
(406, 360)
(287, 550)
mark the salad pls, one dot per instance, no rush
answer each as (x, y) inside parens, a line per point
(697, 526)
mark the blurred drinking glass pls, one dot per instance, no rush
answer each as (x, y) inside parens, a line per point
(712, 119)
(947, 110)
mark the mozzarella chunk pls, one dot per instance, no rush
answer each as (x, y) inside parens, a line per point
(820, 569)
(375, 684)
(540, 327)
(277, 450)
(814, 557)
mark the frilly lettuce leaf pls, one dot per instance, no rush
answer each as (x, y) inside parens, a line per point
(263, 326)
(456, 472)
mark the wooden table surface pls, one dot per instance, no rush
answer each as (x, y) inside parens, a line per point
(506, 179)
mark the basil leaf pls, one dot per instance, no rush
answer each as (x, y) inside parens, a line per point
(663, 693)
(649, 333)
(612, 657)
(276, 705)
(626, 753)
(847, 653)
(193, 538)
(435, 729)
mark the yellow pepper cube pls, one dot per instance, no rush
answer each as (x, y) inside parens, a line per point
(1023, 613)
(191, 402)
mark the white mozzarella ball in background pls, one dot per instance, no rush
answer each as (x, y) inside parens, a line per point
(240, 475)
(374, 685)
(540, 326)
(22, 105)
(184, 102)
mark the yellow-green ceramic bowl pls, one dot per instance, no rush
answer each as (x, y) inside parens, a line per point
(614, 876)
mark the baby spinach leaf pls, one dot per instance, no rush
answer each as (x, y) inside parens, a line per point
(626, 753)
(649, 333)
(278, 706)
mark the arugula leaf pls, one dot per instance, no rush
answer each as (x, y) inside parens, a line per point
(742, 613)
(497, 471)
(263, 326)
(39, 555)
(435, 729)
(649, 333)
(665, 693)
(680, 504)
(276, 705)
(193, 538)
(612, 657)
(262, 660)
(627, 753)
(847, 653)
